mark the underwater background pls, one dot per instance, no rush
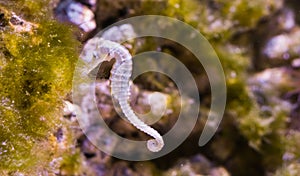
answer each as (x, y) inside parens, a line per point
(257, 42)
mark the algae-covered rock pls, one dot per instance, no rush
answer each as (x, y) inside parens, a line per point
(37, 62)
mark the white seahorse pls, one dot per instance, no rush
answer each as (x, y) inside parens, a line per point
(120, 77)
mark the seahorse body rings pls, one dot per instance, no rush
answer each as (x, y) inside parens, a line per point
(120, 88)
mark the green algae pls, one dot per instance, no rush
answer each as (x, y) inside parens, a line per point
(36, 73)
(263, 130)
(71, 164)
(34, 11)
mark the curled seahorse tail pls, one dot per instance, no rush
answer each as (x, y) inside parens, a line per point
(153, 145)
(120, 89)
